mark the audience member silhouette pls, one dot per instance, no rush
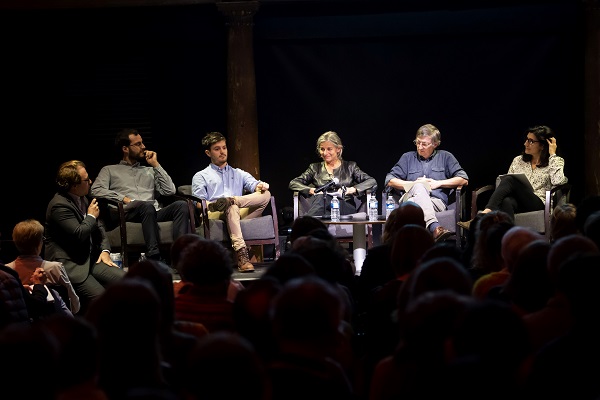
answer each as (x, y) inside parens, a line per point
(591, 228)
(288, 266)
(418, 362)
(28, 237)
(555, 319)
(175, 343)
(512, 243)
(303, 225)
(224, 365)
(568, 367)
(77, 358)
(330, 263)
(563, 221)
(177, 249)
(490, 349)
(306, 318)
(29, 367)
(127, 318)
(377, 268)
(489, 230)
(13, 308)
(529, 286)
(585, 208)
(251, 314)
(35, 297)
(381, 325)
(207, 266)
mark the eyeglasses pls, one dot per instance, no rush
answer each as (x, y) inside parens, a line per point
(140, 144)
(419, 143)
(531, 141)
(88, 180)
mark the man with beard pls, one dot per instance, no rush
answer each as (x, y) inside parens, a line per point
(134, 181)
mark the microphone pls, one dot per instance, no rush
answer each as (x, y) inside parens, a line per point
(326, 186)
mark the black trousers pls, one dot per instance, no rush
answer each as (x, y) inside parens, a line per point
(512, 196)
(144, 212)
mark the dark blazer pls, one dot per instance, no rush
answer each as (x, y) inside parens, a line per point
(72, 238)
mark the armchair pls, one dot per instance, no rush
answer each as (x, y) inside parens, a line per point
(448, 218)
(256, 231)
(127, 237)
(537, 220)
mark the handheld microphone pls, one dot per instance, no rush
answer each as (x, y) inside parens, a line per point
(326, 186)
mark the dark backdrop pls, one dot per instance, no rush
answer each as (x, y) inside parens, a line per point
(72, 78)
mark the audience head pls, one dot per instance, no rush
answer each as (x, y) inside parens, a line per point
(205, 262)
(529, 285)
(579, 276)
(408, 212)
(307, 310)
(443, 273)
(78, 349)
(562, 221)
(591, 228)
(585, 208)
(303, 225)
(179, 246)
(442, 249)
(490, 345)
(127, 318)
(158, 275)
(428, 323)
(325, 256)
(217, 358)
(410, 243)
(29, 362)
(251, 309)
(564, 248)
(513, 242)
(28, 236)
(288, 266)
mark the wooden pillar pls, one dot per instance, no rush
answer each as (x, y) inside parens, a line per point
(592, 98)
(242, 126)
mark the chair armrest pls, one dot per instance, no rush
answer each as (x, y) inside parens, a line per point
(296, 205)
(476, 193)
(557, 195)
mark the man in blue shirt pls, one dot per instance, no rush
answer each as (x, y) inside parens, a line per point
(230, 192)
(426, 176)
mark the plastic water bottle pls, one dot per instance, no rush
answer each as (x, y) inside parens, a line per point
(117, 258)
(373, 208)
(335, 209)
(390, 205)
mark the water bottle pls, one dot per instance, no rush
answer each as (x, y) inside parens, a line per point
(373, 208)
(335, 209)
(117, 258)
(390, 205)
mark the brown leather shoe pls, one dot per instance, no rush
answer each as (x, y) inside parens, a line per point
(243, 260)
(221, 204)
(440, 234)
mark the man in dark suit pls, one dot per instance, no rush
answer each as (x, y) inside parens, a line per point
(75, 236)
